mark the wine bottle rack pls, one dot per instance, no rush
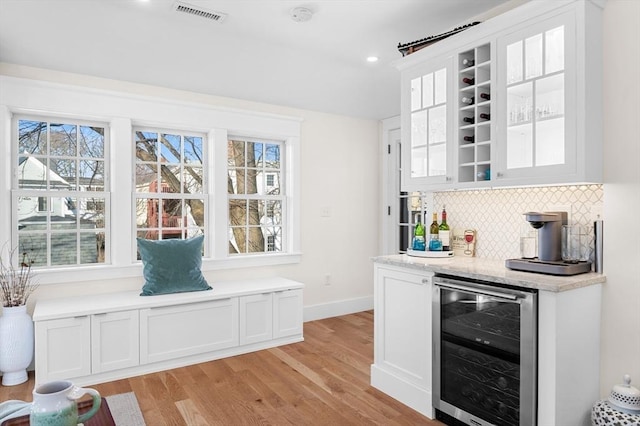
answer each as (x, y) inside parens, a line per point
(474, 133)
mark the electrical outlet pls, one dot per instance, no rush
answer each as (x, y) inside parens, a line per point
(327, 279)
(325, 212)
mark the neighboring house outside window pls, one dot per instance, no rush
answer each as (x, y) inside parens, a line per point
(170, 199)
(60, 191)
(256, 196)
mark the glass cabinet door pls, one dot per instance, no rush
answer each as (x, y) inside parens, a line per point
(425, 145)
(536, 77)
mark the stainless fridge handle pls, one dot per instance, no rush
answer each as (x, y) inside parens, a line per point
(474, 290)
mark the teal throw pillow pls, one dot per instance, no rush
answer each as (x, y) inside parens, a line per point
(172, 266)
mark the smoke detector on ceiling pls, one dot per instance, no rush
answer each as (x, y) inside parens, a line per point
(301, 14)
(179, 6)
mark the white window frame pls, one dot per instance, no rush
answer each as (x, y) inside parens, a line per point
(204, 196)
(49, 194)
(124, 111)
(281, 197)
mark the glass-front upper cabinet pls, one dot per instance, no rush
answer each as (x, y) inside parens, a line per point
(537, 115)
(426, 126)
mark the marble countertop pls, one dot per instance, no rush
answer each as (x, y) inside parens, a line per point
(492, 270)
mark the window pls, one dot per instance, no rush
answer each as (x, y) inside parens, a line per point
(256, 196)
(61, 191)
(170, 199)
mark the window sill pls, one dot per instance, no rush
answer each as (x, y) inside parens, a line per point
(108, 272)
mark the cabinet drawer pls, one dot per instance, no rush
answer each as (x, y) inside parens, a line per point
(176, 331)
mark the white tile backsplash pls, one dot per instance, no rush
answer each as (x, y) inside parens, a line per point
(497, 214)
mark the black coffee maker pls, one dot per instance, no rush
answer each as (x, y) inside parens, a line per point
(549, 260)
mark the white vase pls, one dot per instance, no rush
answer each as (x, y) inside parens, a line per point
(16, 344)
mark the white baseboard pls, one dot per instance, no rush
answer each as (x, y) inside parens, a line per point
(337, 308)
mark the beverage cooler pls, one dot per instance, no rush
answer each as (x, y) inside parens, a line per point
(485, 347)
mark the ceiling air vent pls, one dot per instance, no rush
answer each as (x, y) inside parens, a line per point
(198, 11)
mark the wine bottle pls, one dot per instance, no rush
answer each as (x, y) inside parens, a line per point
(485, 116)
(467, 100)
(434, 238)
(468, 62)
(469, 138)
(486, 96)
(469, 81)
(469, 120)
(444, 231)
(418, 236)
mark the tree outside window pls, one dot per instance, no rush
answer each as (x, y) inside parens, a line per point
(256, 196)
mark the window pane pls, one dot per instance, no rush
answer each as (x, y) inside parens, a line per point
(145, 175)
(35, 245)
(519, 146)
(519, 103)
(235, 157)
(193, 149)
(32, 137)
(255, 155)
(91, 176)
(64, 248)
(236, 181)
(272, 184)
(237, 212)
(170, 149)
(91, 142)
(63, 140)
(62, 175)
(92, 247)
(252, 181)
(170, 178)
(32, 173)
(550, 96)
(437, 160)
(273, 214)
(192, 180)
(554, 50)
(272, 156)
(195, 212)
(146, 146)
(419, 128)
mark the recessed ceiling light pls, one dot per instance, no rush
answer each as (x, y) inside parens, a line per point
(372, 59)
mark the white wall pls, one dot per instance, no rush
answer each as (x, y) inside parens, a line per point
(621, 294)
(339, 177)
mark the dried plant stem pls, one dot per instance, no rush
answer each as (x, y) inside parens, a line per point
(16, 282)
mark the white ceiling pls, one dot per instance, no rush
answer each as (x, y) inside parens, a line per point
(257, 53)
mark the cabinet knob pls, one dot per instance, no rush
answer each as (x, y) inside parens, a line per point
(425, 281)
(448, 178)
(499, 174)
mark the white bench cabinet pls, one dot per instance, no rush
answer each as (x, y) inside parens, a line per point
(170, 332)
(98, 338)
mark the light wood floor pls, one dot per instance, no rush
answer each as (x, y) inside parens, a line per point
(321, 381)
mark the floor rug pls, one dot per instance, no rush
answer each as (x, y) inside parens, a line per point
(125, 409)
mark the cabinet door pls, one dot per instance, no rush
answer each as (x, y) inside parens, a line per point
(402, 332)
(537, 110)
(427, 125)
(63, 348)
(256, 318)
(287, 313)
(114, 341)
(182, 330)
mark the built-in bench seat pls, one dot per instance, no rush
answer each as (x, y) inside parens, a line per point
(97, 338)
